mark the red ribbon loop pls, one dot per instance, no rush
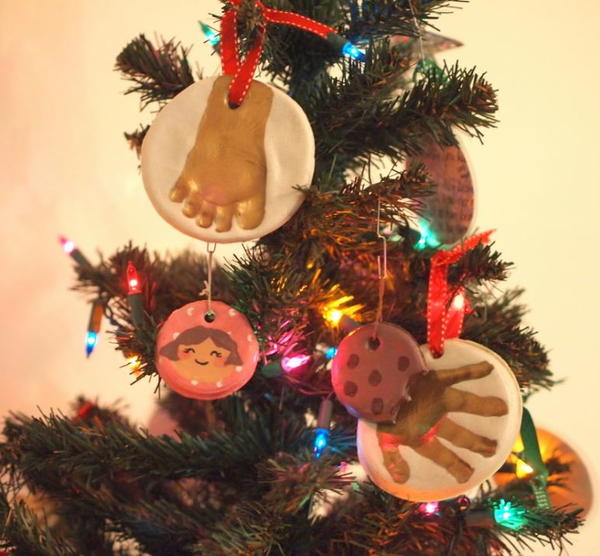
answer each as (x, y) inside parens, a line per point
(243, 70)
(440, 323)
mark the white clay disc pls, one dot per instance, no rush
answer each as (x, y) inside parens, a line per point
(289, 149)
(427, 480)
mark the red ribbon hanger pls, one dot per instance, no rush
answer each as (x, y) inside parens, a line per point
(243, 70)
(441, 324)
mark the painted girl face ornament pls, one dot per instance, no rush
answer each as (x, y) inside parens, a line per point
(206, 358)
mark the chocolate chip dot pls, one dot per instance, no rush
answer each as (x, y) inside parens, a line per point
(353, 361)
(375, 377)
(403, 363)
(377, 406)
(350, 389)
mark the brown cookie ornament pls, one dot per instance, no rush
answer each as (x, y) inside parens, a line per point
(449, 212)
(224, 174)
(454, 432)
(372, 368)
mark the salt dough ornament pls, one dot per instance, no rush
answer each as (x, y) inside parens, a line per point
(370, 376)
(206, 356)
(223, 174)
(456, 431)
(449, 212)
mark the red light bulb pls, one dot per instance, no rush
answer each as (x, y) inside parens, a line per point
(133, 280)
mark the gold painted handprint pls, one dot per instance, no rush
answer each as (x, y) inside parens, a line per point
(225, 172)
(422, 420)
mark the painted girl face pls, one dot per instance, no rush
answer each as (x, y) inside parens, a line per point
(203, 359)
(204, 362)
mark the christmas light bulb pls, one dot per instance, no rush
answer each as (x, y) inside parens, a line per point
(294, 362)
(458, 302)
(430, 508)
(67, 245)
(507, 515)
(330, 352)
(523, 469)
(134, 362)
(321, 442)
(211, 35)
(353, 52)
(70, 249)
(91, 340)
(133, 280)
(333, 316)
(428, 237)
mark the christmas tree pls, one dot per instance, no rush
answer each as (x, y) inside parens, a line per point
(268, 463)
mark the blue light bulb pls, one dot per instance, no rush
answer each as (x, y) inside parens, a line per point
(330, 352)
(90, 342)
(356, 54)
(428, 237)
(321, 442)
(211, 35)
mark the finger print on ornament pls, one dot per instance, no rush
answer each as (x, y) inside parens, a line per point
(453, 433)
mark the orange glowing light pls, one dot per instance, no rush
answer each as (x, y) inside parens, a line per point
(335, 310)
(522, 469)
(134, 364)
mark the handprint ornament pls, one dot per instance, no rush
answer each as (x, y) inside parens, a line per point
(224, 174)
(454, 432)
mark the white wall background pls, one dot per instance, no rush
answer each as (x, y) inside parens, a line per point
(64, 168)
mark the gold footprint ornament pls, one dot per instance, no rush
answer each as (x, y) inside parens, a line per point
(225, 172)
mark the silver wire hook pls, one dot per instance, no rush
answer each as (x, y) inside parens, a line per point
(419, 31)
(381, 269)
(210, 249)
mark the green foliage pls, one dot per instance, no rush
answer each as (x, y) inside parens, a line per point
(240, 476)
(158, 72)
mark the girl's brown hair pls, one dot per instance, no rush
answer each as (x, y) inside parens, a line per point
(197, 335)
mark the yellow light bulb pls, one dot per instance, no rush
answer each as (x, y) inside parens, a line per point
(134, 363)
(333, 316)
(523, 469)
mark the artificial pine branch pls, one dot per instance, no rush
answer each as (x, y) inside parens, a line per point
(500, 327)
(158, 71)
(136, 138)
(377, 18)
(355, 117)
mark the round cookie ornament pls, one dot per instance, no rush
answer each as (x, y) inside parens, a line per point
(372, 369)
(206, 354)
(455, 432)
(224, 174)
(450, 211)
